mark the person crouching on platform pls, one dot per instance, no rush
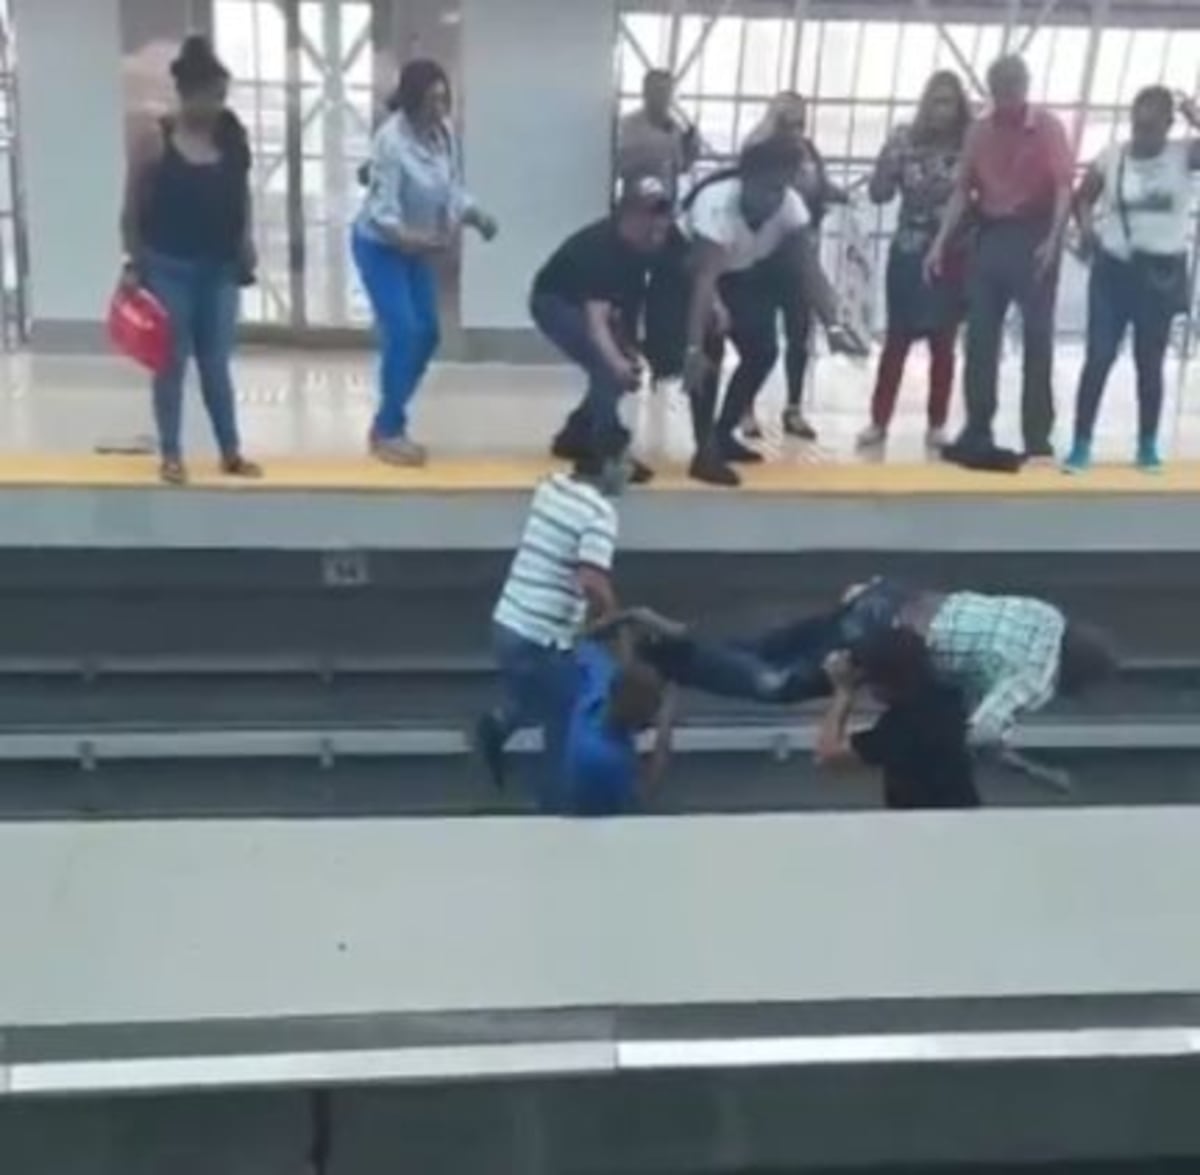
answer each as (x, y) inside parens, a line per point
(559, 583)
(731, 222)
(587, 300)
(920, 164)
(186, 225)
(414, 208)
(920, 741)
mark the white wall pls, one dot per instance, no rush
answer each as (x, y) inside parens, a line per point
(539, 109)
(73, 156)
(187, 921)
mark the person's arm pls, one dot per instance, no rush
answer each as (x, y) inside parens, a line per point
(884, 184)
(660, 755)
(994, 717)
(1090, 188)
(1048, 252)
(599, 323)
(833, 738)
(597, 549)
(708, 263)
(818, 293)
(956, 209)
(145, 151)
(1191, 113)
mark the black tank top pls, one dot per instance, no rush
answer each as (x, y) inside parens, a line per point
(197, 211)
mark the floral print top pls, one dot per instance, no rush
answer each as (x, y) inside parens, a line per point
(923, 175)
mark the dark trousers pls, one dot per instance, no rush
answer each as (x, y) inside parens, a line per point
(780, 272)
(1118, 299)
(785, 665)
(1002, 272)
(565, 325)
(750, 298)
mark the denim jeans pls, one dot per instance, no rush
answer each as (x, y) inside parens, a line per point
(538, 688)
(565, 325)
(785, 665)
(202, 299)
(402, 290)
(1119, 299)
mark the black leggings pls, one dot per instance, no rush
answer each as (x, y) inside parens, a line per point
(780, 272)
(751, 299)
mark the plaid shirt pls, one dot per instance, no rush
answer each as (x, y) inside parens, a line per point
(1004, 652)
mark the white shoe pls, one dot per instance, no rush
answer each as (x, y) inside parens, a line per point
(935, 439)
(872, 437)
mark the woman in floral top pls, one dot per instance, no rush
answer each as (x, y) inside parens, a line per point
(919, 163)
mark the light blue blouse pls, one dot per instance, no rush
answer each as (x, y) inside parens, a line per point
(415, 183)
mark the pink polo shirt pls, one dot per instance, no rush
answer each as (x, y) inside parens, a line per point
(1016, 165)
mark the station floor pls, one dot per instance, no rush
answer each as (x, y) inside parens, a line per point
(305, 414)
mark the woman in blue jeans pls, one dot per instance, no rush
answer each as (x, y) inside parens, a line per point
(414, 208)
(186, 226)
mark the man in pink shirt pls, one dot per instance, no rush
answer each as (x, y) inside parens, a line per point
(1015, 177)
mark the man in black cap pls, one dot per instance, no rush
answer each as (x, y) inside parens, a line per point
(587, 300)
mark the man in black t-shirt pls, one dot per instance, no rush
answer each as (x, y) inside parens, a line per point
(920, 741)
(587, 300)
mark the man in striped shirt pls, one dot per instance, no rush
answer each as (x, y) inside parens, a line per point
(559, 580)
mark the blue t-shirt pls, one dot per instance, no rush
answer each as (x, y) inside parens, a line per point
(602, 764)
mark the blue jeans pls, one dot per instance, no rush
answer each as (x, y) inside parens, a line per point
(565, 325)
(402, 291)
(538, 689)
(202, 300)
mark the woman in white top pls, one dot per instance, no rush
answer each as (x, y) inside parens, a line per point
(1134, 212)
(731, 223)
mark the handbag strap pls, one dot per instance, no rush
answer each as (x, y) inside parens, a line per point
(1122, 203)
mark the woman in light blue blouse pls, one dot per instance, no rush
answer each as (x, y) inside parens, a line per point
(414, 208)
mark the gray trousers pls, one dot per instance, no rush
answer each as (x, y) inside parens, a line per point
(1001, 273)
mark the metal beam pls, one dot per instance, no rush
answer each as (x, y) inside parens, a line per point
(701, 44)
(799, 17)
(1100, 10)
(294, 140)
(926, 10)
(1039, 22)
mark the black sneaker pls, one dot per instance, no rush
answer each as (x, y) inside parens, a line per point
(489, 746)
(709, 468)
(640, 474)
(733, 451)
(794, 425)
(568, 446)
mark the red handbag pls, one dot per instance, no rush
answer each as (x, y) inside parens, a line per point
(140, 328)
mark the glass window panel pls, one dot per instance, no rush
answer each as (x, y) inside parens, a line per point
(1099, 130)
(836, 78)
(988, 45)
(691, 29)
(652, 32)
(811, 37)
(1146, 61)
(917, 51)
(750, 114)
(721, 58)
(1111, 63)
(831, 128)
(1068, 57)
(717, 120)
(761, 61)
(871, 125)
(356, 32)
(878, 63)
(1183, 61)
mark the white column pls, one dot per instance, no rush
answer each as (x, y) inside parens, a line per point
(539, 106)
(73, 159)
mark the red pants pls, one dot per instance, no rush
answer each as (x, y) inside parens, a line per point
(891, 371)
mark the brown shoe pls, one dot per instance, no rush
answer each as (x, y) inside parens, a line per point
(173, 472)
(238, 466)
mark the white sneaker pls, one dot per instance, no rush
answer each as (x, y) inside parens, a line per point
(935, 439)
(872, 437)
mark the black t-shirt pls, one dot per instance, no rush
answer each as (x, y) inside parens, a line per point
(596, 265)
(921, 748)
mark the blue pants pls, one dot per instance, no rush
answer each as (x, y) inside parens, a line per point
(402, 291)
(202, 300)
(538, 689)
(565, 325)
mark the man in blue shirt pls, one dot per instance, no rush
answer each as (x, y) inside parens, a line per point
(616, 698)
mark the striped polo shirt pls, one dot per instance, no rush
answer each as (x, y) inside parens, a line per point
(570, 524)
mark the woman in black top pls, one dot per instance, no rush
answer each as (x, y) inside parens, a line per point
(186, 227)
(920, 741)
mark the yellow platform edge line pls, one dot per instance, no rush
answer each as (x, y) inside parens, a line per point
(485, 474)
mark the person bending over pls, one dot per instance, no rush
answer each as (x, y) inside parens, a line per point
(559, 582)
(617, 696)
(587, 300)
(919, 743)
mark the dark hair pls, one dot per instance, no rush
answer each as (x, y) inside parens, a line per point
(777, 155)
(1007, 62)
(417, 78)
(943, 77)
(635, 696)
(1158, 96)
(599, 452)
(1086, 659)
(896, 661)
(197, 67)
(654, 76)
